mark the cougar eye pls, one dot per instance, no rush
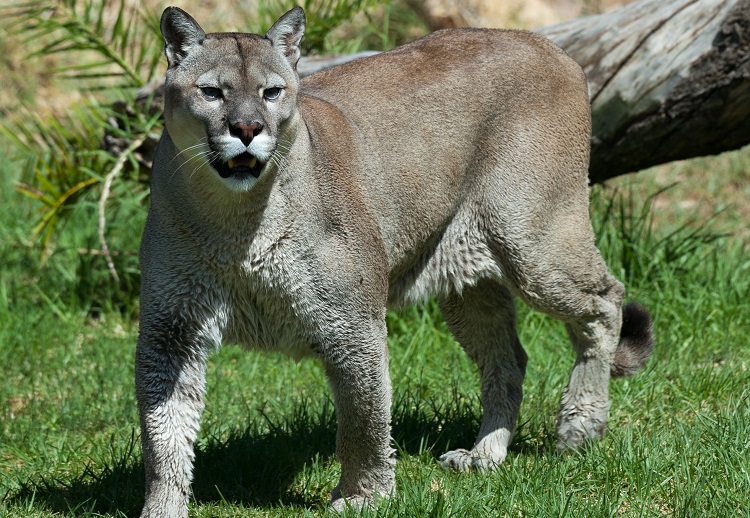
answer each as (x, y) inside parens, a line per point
(272, 94)
(210, 93)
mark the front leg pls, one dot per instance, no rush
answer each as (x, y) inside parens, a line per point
(358, 375)
(170, 365)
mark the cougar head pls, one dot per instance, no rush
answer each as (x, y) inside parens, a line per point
(230, 98)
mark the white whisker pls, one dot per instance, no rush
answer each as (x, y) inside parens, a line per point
(209, 155)
(200, 143)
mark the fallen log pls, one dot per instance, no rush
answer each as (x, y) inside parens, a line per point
(668, 79)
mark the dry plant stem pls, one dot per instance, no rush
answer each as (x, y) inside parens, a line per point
(92, 251)
(103, 202)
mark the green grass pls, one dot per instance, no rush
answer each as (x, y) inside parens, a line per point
(677, 445)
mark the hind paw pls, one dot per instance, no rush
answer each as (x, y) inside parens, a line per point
(464, 460)
(457, 460)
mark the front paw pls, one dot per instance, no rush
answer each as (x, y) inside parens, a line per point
(360, 498)
(164, 509)
(340, 504)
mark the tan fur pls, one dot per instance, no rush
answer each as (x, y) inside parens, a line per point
(452, 167)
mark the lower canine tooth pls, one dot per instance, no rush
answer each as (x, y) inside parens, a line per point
(253, 162)
(231, 162)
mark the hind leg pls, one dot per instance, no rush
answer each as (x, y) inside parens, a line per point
(575, 287)
(483, 320)
(585, 401)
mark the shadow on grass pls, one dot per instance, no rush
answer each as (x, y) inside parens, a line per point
(252, 467)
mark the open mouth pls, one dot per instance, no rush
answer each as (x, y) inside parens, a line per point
(240, 167)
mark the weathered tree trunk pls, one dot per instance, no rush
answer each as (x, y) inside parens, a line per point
(669, 79)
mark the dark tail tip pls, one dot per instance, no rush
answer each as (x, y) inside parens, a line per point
(636, 341)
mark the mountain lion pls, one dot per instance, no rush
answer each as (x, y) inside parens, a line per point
(288, 215)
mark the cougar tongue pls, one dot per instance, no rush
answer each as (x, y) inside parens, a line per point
(243, 160)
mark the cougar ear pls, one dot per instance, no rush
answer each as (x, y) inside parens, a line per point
(287, 33)
(181, 33)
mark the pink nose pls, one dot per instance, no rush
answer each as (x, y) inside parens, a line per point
(246, 132)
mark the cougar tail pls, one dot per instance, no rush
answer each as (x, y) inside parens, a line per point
(636, 341)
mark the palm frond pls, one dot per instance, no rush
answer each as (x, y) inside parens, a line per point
(63, 159)
(322, 16)
(122, 39)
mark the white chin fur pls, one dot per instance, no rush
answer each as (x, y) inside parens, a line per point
(237, 185)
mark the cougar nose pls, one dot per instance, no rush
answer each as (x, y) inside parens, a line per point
(245, 132)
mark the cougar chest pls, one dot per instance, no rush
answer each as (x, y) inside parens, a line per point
(264, 287)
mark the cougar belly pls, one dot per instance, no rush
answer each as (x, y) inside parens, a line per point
(453, 260)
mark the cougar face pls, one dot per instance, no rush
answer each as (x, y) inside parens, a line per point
(229, 99)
